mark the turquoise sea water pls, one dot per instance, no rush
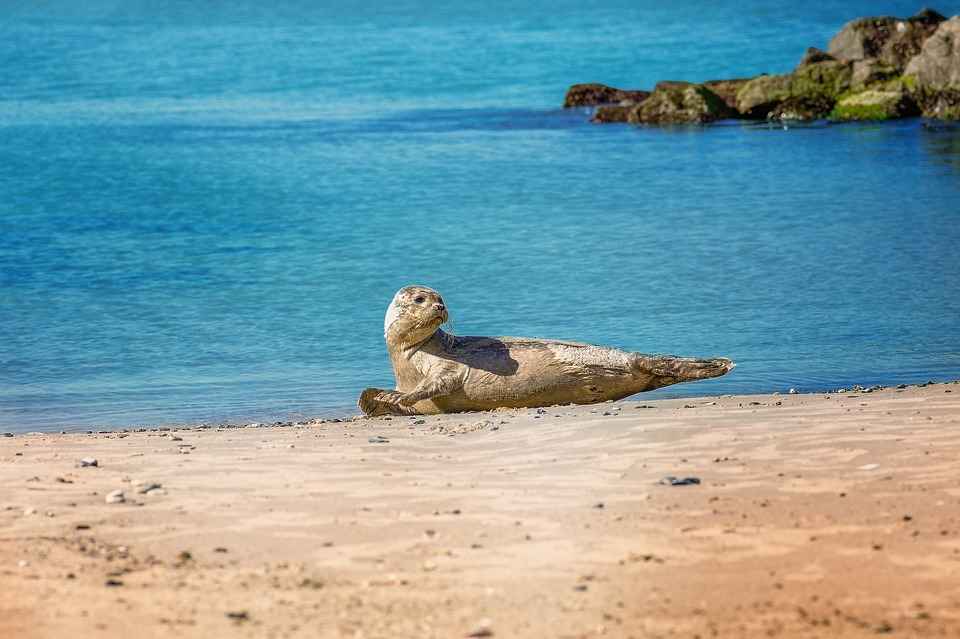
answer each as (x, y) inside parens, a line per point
(205, 212)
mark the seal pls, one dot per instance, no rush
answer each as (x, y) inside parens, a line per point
(437, 372)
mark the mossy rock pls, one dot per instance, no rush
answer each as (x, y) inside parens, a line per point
(727, 90)
(827, 79)
(762, 94)
(814, 86)
(680, 103)
(874, 104)
(869, 73)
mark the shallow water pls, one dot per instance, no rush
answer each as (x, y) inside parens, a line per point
(204, 215)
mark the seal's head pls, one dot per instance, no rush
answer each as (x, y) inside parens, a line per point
(414, 315)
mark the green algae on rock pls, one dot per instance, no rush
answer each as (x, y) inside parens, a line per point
(874, 104)
(808, 93)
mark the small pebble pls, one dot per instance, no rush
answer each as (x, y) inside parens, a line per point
(115, 497)
(483, 629)
(670, 480)
(88, 461)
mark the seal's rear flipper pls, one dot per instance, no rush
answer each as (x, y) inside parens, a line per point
(667, 369)
(372, 406)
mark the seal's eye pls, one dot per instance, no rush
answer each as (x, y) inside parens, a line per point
(420, 299)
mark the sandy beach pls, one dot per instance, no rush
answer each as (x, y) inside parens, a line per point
(815, 515)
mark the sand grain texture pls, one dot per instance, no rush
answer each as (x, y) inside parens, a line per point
(817, 516)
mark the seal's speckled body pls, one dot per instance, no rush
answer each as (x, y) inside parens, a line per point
(441, 373)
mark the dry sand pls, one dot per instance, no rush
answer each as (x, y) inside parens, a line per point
(816, 516)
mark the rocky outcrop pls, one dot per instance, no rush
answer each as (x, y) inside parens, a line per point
(890, 40)
(680, 103)
(594, 94)
(875, 69)
(935, 73)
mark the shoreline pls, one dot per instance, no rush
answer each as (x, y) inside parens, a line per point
(286, 423)
(815, 514)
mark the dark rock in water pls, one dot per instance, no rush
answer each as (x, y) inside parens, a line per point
(680, 103)
(727, 90)
(934, 74)
(595, 94)
(891, 40)
(611, 113)
(814, 55)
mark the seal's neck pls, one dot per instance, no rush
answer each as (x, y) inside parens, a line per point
(401, 357)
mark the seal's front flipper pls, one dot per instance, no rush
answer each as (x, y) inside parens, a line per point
(375, 402)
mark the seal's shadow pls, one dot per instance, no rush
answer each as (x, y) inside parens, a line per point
(485, 353)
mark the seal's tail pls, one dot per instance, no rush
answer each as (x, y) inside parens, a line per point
(668, 369)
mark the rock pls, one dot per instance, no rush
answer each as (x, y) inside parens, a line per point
(809, 93)
(867, 73)
(875, 105)
(8, 434)
(29, 511)
(482, 629)
(760, 95)
(801, 109)
(670, 480)
(890, 40)
(144, 487)
(680, 103)
(115, 497)
(814, 55)
(611, 113)
(88, 461)
(238, 615)
(727, 90)
(595, 94)
(378, 439)
(935, 73)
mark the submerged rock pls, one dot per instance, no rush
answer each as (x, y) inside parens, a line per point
(935, 73)
(680, 103)
(595, 94)
(892, 41)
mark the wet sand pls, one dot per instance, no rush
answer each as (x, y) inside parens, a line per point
(816, 516)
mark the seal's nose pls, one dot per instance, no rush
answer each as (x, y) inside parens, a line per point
(439, 307)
